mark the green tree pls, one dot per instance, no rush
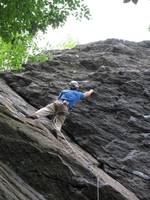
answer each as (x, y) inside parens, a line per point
(13, 55)
(20, 18)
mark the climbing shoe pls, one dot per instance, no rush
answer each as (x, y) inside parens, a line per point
(31, 116)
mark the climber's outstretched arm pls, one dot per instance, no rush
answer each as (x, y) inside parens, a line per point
(88, 93)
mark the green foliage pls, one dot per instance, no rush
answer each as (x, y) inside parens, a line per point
(21, 20)
(68, 44)
(13, 55)
(28, 16)
(38, 58)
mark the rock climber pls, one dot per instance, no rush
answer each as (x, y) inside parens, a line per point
(67, 99)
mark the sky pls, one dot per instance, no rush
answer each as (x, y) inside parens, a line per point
(110, 19)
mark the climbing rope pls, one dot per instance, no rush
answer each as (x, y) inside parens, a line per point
(98, 195)
(98, 188)
(67, 141)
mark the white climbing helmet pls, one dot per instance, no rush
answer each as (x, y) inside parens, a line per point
(74, 84)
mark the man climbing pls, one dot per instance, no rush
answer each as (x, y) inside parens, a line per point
(67, 99)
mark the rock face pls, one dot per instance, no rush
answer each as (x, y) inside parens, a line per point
(107, 157)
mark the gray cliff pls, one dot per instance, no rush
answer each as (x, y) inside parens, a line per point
(109, 141)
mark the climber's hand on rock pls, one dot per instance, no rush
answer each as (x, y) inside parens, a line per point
(92, 91)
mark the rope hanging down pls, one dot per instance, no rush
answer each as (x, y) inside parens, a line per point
(98, 196)
(98, 188)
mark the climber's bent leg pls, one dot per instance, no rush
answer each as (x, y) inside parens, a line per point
(49, 109)
(59, 121)
(61, 114)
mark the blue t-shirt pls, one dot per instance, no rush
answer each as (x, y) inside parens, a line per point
(71, 96)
